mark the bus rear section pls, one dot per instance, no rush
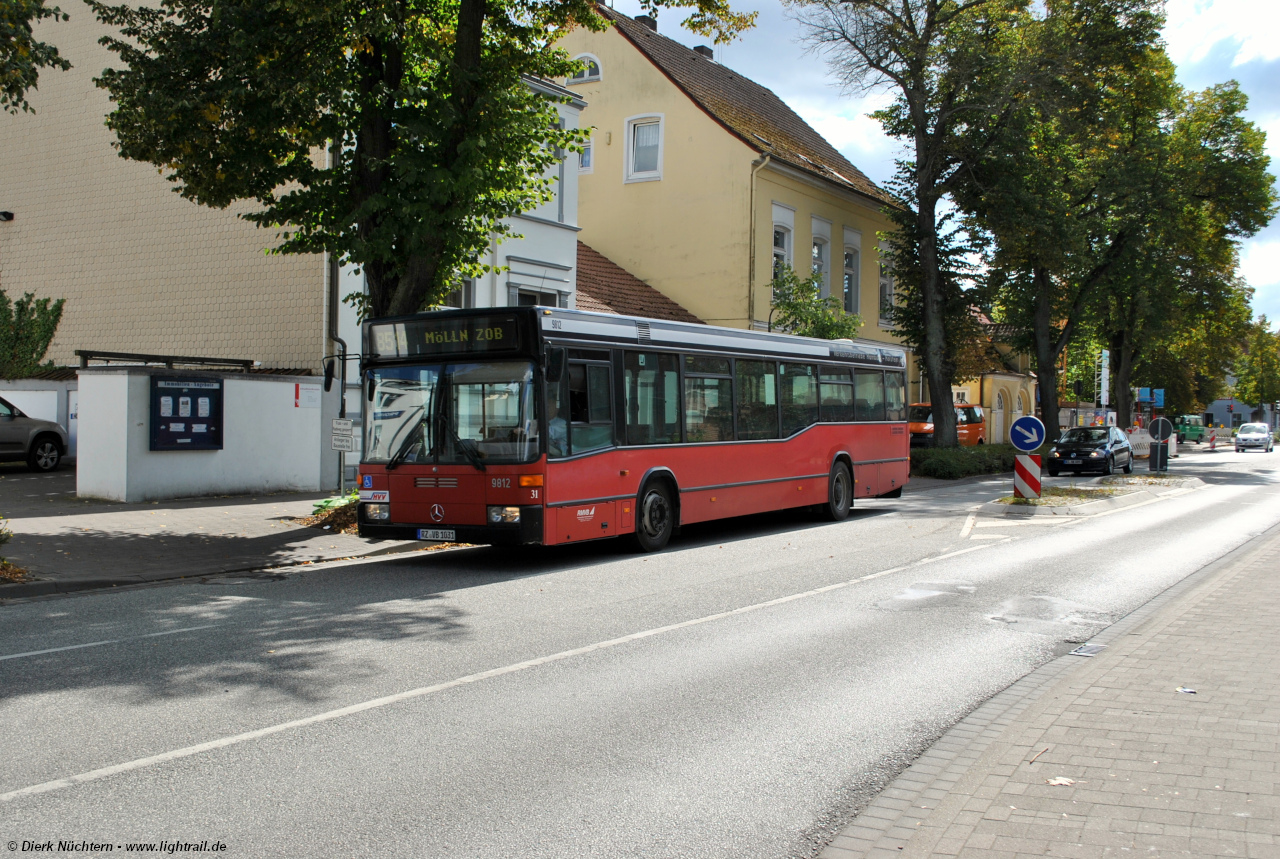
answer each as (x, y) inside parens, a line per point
(568, 426)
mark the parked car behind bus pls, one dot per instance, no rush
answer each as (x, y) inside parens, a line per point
(971, 424)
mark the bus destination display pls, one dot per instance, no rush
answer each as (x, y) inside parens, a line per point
(446, 336)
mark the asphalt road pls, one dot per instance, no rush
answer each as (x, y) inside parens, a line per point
(738, 695)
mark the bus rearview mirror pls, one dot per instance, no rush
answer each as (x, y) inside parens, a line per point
(556, 358)
(328, 375)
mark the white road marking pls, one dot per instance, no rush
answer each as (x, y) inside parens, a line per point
(108, 641)
(376, 703)
(968, 525)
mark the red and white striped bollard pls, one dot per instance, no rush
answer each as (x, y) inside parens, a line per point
(1026, 475)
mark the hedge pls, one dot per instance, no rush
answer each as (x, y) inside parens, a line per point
(952, 463)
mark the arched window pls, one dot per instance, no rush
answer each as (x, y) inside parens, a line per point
(589, 70)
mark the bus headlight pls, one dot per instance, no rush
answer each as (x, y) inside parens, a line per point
(379, 512)
(501, 515)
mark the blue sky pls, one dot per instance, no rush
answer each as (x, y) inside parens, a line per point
(1210, 40)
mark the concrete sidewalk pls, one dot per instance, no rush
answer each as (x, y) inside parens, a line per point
(70, 544)
(1104, 756)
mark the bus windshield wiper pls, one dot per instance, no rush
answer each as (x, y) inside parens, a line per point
(467, 447)
(403, 450)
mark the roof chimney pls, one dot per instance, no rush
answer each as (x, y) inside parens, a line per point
(648, 21)
(705, 51)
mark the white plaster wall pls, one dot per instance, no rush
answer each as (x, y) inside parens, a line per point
(269, 445)
(101, 464)
(42, 405)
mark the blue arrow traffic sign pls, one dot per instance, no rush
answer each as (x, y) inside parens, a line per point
(1027, 433)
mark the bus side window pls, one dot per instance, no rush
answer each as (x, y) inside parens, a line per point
(590, 407)
(835, 394)
(868, 394)
(799, 397)
(651, 389)
(895, 396)
(708, 407)
(757, 399)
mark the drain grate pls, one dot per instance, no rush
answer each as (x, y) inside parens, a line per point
(1088, 650)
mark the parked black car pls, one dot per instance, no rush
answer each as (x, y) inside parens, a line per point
(42, 444)
(1090, 449)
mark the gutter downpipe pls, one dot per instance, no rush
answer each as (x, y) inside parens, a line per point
(334, 302)
(751, 244)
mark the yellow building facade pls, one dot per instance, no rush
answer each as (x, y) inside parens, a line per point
(700, 181)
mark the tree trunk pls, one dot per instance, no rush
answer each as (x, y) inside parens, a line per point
(1122, 348)
(1046, 349)
(937, 366)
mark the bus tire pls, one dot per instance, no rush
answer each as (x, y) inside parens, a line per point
(655, 517)
(839, 493)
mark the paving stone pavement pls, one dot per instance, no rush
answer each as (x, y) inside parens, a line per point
(1142, 768)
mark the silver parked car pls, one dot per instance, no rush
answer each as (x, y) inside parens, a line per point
(42, 444)
(1253, 435)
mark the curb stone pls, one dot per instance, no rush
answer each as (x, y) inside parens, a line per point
(47, 587)
(1090, 508)
(886, 825)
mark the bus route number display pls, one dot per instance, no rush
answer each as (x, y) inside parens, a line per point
(186, 413)
(442, 336)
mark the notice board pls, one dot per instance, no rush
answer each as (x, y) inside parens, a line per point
(186, 413)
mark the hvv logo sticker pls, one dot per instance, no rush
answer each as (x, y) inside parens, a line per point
(367, 482)
(586, 514)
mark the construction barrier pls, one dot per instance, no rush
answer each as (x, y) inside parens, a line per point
(1026, 475)
(1213, 439)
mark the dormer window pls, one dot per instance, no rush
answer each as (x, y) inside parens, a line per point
(588, 69)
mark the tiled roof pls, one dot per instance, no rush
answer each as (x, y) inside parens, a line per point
(751, 112)
(605, 287)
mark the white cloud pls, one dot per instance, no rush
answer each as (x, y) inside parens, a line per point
(1260, 266)
(1195, 27)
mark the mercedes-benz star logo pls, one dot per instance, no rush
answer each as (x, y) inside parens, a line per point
(437, 512)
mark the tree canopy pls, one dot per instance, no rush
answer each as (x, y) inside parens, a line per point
(802, 309)
(22, 55)
(393, 134)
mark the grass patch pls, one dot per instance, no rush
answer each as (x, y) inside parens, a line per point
(952, 463)
(1061, 496)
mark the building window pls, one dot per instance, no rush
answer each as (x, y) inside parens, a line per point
(819, 260)
(585, 162)
(886, 295)
(589, 70)
(781, 250)
(461, 297)
(644, 149)
(851, 280)
(521, 297)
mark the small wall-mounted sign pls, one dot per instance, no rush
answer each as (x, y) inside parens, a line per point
(186, 413)
(343, 442)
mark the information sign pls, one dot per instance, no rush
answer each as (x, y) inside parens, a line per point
(186, 413)
(342, 426)
(1144, 395)
(1157, 397)
(1026, 433)
(344, 443)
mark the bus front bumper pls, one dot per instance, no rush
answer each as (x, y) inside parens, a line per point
(527, 531)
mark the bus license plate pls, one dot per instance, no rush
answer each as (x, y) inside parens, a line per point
(1074, 461)
(433, 534)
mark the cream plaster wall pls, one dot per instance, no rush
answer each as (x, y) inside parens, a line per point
(142, 269)
(686, 234)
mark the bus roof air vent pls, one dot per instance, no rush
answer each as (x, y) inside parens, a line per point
(642, 331)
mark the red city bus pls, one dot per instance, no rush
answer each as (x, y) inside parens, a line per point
(534, 425)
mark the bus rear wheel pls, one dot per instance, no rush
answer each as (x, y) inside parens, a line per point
(839, 493)
(655, 518)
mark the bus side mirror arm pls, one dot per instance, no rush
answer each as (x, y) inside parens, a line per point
(556, 358)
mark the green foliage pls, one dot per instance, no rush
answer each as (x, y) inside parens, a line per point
(802, 309)
(425, 109)
(324, 505)
(1258, 369)
(27, 327)
(22, 56)
(5, 535)
(952, 463)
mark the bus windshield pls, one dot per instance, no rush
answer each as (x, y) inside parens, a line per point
(474, 412)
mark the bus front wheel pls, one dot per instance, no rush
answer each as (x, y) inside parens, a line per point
(655, 517)
(839, 493)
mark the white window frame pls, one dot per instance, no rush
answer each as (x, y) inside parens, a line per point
(587, 76)
(823, 267)
(856, 271)
(629, 175)
(787, 242)
(590, 148)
